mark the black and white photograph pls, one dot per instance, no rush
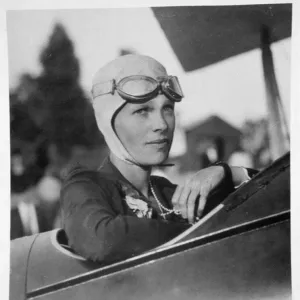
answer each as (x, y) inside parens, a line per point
(149, 152)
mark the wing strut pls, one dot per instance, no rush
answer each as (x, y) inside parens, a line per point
(278, 129)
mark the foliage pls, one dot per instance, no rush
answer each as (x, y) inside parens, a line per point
(58, 59)
(55, 101)
(70, 120)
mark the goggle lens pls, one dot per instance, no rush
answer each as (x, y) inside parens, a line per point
(137, 86)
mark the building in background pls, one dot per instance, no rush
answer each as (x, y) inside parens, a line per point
(211, 140)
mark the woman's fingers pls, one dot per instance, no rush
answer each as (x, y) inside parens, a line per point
(185, 196)
(182, 201)
(191, 205)
(202, 202)
(176, 196)
(202, 183)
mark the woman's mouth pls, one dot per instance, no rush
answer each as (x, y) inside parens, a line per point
(163, 141)
(160, 144)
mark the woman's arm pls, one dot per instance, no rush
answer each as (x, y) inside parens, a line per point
(194, 192)
(98, 233)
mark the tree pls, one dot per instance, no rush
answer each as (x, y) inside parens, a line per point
(70, 119)
(58, 59)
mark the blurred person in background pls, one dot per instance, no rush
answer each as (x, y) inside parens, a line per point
(32, 189)
(254, 147)
(26, 172)
(23, 200)
(48, 191)
(241, 157)
(120, 210)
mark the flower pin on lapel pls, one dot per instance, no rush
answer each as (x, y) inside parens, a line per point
(139, 207)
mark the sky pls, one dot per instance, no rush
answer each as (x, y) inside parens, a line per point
(233, 89)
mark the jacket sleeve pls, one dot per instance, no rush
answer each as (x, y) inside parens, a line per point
(97, 232)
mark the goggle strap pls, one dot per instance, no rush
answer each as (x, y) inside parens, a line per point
(103, 88)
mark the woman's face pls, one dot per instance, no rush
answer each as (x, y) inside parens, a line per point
(146, 130)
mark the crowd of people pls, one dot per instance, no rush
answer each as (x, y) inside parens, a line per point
(35, 192)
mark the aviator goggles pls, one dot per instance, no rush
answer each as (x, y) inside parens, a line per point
(140, 88)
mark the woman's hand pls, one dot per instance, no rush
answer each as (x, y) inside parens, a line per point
(200, 184)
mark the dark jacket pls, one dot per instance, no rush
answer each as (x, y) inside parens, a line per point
(99, 224)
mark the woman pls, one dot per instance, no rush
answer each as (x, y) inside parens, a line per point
(120, 210)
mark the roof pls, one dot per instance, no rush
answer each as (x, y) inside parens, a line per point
(214, 126)
(204, 35)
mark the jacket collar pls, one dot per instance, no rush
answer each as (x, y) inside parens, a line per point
(110, 170)
(163, 192)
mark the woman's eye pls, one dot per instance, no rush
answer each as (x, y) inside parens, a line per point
(169, 108)
(142, 111)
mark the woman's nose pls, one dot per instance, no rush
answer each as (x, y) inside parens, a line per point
(159, 122)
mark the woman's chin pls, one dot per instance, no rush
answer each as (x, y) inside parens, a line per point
(153, 160)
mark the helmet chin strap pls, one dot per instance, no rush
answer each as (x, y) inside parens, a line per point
(141, 165)
(166, 165)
